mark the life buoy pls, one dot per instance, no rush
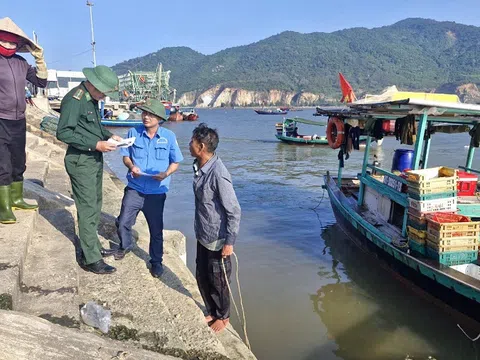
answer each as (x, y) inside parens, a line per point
(335, 132)
(125, 93)
(142, 79)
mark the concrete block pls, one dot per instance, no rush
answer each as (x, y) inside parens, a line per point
(49, 284)
(14, 242)
(29, 337)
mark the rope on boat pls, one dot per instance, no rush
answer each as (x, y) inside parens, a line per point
(320, 202)
(474, 339)
(241, 299)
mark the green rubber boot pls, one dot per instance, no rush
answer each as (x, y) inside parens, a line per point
(6, 214)
(17, 197)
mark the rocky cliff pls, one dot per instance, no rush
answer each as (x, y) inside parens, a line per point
(224, 96)
(219, 96)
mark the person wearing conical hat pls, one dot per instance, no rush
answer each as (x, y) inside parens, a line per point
(81, 129)
(14, 73)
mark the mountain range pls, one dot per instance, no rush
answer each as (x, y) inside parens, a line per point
(413, 54)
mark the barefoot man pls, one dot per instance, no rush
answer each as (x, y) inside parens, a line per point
(217, 221)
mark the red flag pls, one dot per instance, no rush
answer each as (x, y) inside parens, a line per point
(348, 95)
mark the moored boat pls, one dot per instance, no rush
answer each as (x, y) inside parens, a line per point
(271, 112)
(190, 115)
(396, 216)
(287, 131)
(122, 123)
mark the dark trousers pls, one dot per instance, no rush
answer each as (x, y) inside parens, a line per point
(152, 207)
(212, 283)
(85, 170)
(12, 150)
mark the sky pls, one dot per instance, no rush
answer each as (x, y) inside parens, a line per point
(128, 29)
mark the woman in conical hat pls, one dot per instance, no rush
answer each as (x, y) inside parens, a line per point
(14, 73)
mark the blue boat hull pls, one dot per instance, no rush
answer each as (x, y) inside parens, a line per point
(428, 282)
(122, 123)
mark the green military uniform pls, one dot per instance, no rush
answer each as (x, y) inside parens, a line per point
(80, 127)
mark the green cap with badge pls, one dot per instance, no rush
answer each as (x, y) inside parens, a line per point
(154, 107)
(104, 80)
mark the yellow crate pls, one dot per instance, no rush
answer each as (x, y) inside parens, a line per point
(459, 241)
(431, 187)
(422, 234)
(439, 179)
(451, 234)
(454, 226)
(417, 239)
(447, 248)
(419, 176)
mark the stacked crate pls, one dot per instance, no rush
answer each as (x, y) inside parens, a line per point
(452, 239)
(429, 190)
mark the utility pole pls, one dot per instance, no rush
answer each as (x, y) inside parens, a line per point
(90, 5)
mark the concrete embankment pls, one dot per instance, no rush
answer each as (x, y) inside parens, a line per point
(40, 276)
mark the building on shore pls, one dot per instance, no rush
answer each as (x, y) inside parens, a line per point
(60, 82)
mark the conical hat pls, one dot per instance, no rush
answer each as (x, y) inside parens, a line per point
(6, 24)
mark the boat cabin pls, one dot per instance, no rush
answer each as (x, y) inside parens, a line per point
(405, 216)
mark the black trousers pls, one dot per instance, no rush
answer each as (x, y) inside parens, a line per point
(212, 283)
(12, 150)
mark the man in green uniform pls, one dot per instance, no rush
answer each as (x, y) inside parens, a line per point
(80, 127)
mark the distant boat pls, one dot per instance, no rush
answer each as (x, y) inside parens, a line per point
(287, 132)
(271, 112)
(190, 115)
(175, 114)
(122, 123)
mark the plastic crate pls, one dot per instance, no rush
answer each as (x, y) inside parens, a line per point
(451, 234)
(419, 222)
(416, 224)
(457, 241)
(431, 174)
(432, 196)
(452, 258)
(413, 188)
(417, 247)
(422, 214)
(444, 221)
(466, 184)
(426, 206)
(417, 239)
(445, 225)
(451, 248)
(421, 234)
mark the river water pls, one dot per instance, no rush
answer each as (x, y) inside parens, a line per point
(308, 292)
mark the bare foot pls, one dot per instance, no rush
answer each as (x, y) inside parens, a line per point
(209, 318)
(219, 325)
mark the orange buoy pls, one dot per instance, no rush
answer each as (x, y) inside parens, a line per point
(335, 132)
(141, 78)
(125, 93)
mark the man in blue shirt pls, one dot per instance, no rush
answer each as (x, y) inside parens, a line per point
(152, 158)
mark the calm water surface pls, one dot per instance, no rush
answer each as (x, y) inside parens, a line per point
(308, 292)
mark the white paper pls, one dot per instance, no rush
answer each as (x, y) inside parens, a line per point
(145, 174)
(124, 143)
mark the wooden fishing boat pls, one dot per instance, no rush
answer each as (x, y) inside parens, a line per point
(122, 123)
(271, 112)
(175, 116)
(190, 115)
(287, 132)
(375, 211)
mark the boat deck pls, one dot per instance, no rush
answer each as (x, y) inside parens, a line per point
(350, 187)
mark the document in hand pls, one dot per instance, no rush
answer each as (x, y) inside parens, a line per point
(124, 143)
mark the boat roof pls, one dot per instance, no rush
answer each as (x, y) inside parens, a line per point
(452, 112)
(305, 121)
